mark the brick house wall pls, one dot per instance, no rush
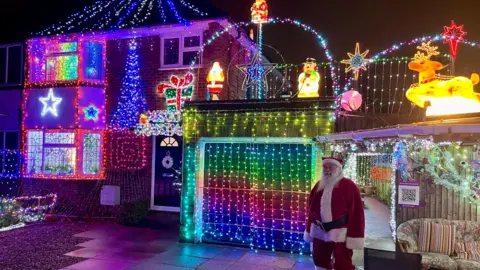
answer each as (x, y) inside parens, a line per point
(82, 197)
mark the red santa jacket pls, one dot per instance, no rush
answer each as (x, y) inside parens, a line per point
(339, 198)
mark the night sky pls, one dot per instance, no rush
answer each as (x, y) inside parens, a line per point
(376, 24)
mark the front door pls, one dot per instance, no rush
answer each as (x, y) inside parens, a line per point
(166, 173)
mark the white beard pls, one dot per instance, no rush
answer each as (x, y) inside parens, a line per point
(329, 179)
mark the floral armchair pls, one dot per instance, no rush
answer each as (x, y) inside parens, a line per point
(466, 231)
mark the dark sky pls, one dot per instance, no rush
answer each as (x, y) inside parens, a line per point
(376, 24)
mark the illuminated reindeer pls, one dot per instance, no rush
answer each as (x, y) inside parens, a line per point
(441, 95)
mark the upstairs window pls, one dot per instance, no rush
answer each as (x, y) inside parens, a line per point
(53, 61)
(179, 51)
(11, 64)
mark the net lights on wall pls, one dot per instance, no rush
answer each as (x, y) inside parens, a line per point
(267, 183)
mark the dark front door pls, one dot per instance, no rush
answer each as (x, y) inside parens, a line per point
(167, 177)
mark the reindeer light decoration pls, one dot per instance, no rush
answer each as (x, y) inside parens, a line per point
(441, 95)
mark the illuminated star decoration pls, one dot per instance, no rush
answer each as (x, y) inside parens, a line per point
(453, 34)
(50, 103)
(356, 61)
(256, 72)
(91, 113)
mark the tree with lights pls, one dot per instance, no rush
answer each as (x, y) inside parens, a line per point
(132, 99)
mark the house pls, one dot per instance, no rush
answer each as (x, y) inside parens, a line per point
(11, 81)
(75, 87)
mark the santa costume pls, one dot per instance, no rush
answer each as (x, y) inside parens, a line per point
(336, 221)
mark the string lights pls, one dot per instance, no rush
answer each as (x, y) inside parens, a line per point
(163, 123)
(117, 14)
(132, 98)
(264, 162)
(70, 146)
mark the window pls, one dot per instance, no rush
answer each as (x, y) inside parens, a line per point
(54, 61)
(9, 154)
(55, 154)
(169, 142)
(181, 51)
(11, 64)
(91, 153)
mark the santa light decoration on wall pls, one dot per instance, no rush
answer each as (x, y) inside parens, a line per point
(215, 80)
(308, 81)
(260, 12)
(441, 95)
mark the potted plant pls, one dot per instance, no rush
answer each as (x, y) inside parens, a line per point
(369, 188)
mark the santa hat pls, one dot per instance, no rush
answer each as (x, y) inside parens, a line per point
(334, 161)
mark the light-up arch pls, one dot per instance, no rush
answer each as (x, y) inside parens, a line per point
(305, 27)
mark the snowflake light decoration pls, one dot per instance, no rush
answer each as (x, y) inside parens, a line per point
(453, 34)
(356, 61)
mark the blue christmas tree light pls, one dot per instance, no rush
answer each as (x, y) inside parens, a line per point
(132, 99)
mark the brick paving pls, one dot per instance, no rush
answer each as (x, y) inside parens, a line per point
(117, 247)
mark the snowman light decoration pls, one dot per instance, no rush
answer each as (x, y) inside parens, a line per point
(308, 81)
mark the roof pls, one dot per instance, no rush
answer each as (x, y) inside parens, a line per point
(430, 128)
(105, 15)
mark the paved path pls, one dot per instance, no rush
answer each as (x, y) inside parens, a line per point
(114, 247)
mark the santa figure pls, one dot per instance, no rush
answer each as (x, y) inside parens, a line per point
(260, 12)
(336, 221)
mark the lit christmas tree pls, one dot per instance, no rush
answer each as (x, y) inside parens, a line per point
(132, 100)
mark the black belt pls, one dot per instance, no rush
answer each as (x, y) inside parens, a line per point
(326, 227)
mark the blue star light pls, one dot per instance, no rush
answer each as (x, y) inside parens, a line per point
(50, 103)
(256, 73)
(91, 113)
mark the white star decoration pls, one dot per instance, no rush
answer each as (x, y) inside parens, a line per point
(256, 71)
(50, 103)
(356, 61)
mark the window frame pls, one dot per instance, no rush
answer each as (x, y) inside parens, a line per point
(55, 55)
(3, 148)
(78, 143)
(181, 50)
(7, 47)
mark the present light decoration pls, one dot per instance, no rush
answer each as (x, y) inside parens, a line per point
(177, 92)
(441, 95)
(215, 80)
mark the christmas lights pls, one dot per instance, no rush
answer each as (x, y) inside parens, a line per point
(322, 42)
(127, 151)
(453, 34)
(256, 75)
(50, 103)
(308, 81)
(259, 12)
(441, 95)
(91, 113)
(215, 80)
(68, 146)
(164, 123)
(356, 61)
(132, 99)
(117, 14)
(177, 92)
(263, 162)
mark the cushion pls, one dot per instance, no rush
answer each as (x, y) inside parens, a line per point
(439, 261)
(438, 238)
(442, 238)
(468, 264)
(424, 232)
(468, 250)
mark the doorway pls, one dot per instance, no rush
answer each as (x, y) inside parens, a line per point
(166, 173)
